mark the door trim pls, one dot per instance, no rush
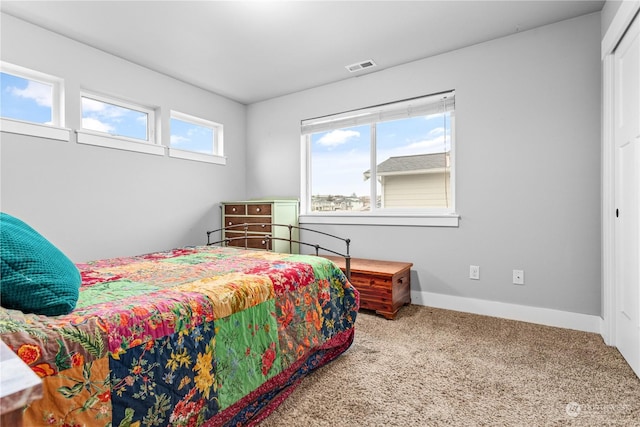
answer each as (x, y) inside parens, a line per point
(621, 21)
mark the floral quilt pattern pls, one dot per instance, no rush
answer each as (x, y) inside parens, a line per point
(197, 336)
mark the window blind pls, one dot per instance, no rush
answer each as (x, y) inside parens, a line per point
(421, 106)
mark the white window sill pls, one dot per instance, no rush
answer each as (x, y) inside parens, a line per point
(35, 129)
(434, 220)
(198, 157)
(119, 143)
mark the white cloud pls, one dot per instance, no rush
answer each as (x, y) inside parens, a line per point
(427, 145)
(338, 137)
(436, 144)
(436, 131)
(97, 125)
(342, 174)
(91, 105)
(102, 109)
(177, 139)
(41, 93)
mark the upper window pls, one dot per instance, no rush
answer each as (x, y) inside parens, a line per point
(112, 123)
(194, 138)
(386, 160)
(117, 118)
(30, 96)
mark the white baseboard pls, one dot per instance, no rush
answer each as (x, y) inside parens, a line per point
(541, 316)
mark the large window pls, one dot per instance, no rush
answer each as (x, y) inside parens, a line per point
(386, 160)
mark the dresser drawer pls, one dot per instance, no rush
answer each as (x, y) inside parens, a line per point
(257, 224)
(253, 241)
(261, 209)
(235, 209)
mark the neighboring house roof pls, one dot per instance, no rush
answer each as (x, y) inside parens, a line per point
(403, 164)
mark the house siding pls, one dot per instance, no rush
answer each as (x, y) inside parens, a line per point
(428, 190)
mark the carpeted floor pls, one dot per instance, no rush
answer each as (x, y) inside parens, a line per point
(433, 367)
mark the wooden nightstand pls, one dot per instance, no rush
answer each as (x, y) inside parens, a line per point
(384, 286)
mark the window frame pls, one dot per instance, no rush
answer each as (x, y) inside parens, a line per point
(56, 129)
(107, 140)
(217, 157)
(441, 217)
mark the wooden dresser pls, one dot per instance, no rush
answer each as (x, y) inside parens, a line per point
(384, 286)
(259, 215)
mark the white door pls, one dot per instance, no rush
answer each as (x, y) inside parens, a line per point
(627, 194)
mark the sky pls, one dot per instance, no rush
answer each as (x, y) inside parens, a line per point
(340, 157)
(31, 101)
(27, 100)
(191, 137)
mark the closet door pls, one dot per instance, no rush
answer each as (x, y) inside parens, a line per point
(627, 194)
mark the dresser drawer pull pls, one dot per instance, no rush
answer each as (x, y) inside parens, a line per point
(257, 209)
(230, 223)
(263, 225)
(233, 209)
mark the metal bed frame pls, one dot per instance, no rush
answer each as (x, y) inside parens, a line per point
(267, 238)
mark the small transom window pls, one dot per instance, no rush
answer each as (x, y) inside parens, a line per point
(117, 118)
(30, 96)
(194, 138)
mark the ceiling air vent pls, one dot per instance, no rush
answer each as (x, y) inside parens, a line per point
(361, 66)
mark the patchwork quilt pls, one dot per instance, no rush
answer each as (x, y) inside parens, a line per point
(196, 336)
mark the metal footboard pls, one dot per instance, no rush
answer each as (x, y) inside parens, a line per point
(266, 239)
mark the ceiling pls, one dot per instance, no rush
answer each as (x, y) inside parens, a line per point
(255, 50)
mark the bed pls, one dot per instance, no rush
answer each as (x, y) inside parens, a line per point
(194, 336)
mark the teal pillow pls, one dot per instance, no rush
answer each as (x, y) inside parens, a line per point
(36, 277)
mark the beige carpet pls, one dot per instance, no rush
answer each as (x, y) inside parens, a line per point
(438, 367)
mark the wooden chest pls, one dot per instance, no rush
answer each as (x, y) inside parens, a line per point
(384, 286)
(260, 215)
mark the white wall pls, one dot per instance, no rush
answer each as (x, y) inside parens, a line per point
(528, 166)
(95, 202)
(609, 10)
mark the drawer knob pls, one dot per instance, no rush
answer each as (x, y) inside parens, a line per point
(263, 226)
(233, 209)
(230, 223)
(257, 209)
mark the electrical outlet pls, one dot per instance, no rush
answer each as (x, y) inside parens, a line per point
(518, 277)
(474, 272)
